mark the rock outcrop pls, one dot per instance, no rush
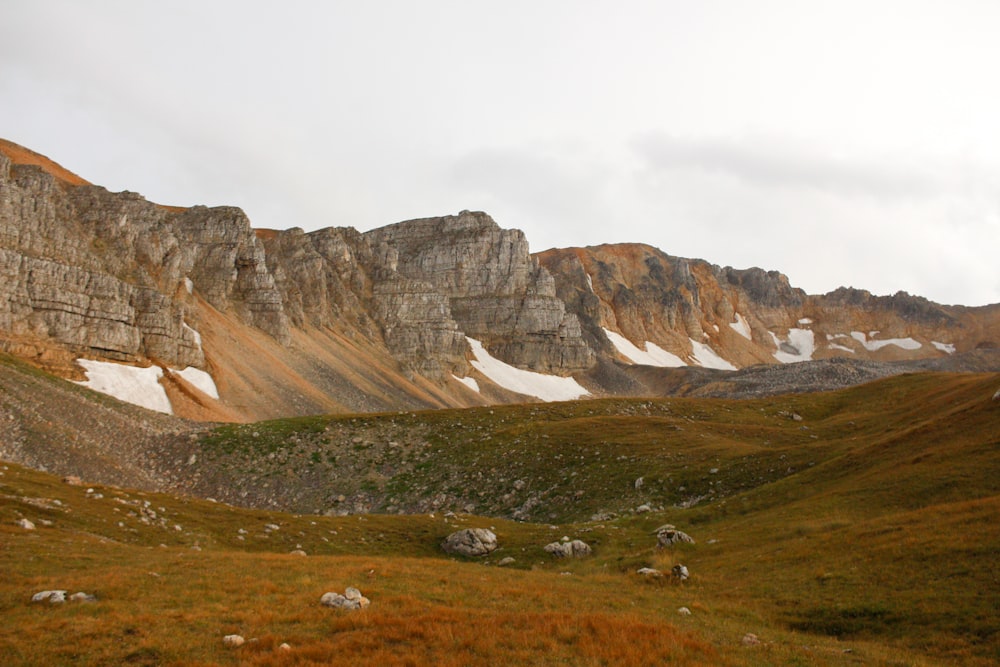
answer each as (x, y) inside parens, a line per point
(497, 293)
(722, 317)
(86, 272)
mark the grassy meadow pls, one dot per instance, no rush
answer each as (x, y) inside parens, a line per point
(863, 532)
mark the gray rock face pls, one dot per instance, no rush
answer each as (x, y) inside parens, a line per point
(497, 292)
(338, 278)
(107, 274)
(470, 542)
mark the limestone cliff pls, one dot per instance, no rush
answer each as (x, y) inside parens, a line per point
(497, 293)
(295, 322)
(749, 316)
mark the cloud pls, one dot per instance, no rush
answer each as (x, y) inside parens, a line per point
(778, 163)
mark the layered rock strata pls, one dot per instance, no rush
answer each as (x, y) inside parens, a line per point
(749, 316)
(112, 275)
(497, 292)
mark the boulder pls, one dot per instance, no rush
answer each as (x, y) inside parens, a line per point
(350, 600)
(26, 524)
(667, 536)
(680, 572)
(55, 597)
(572, 549)
(649, 572)
(233, 641)
(470, 542)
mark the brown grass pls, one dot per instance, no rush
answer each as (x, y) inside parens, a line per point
(21, 155)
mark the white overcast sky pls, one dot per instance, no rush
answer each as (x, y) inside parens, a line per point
(840, 142)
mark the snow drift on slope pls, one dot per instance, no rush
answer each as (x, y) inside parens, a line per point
(653, 355)
(139, 386)
(539, 385)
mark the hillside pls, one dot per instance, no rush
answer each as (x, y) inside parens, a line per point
(848, 527)
(194, 311)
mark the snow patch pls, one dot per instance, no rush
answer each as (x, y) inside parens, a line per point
(805, 320)
(201, 380)
(803, 341)
(944, 347)
(188, 285)
(741, 326)
(539, 385)
(834, 346)
(708, 358)
(873, 345)
(139, 386)
(468, 382)
(653, 355)
(590, 283)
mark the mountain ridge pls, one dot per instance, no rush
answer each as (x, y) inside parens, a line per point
(291, 322)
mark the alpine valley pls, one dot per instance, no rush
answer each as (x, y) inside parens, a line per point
(189, 406)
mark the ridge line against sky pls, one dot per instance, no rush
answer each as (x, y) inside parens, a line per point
(850, 143)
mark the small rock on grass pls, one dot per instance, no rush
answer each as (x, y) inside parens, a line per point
(55, 597)
(26, 524)
(352, 599)
(233, 641)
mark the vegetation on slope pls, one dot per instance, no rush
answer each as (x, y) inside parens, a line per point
(863, 534)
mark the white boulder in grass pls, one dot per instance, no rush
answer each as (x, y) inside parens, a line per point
(55, 597)
(470, 542)
(233, 641)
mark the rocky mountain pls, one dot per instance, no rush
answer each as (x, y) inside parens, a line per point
(242, 324)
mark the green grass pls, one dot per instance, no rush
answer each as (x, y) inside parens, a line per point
(867, 537)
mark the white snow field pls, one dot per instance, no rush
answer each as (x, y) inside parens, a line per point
(872, 345)
(653, 355)
(139, 386)
(803, 340)
(707, 357)
(944, 347)
(539, 385)
(468, 382)
(200, 379)
(741, 326)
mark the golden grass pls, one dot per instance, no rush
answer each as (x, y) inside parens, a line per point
(882, 553)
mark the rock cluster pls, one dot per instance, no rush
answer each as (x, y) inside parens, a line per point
(59, 597)
(569, 549)
(470, 542)
(351, 599)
